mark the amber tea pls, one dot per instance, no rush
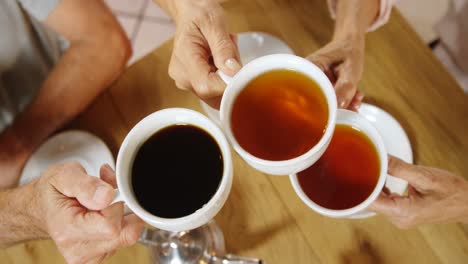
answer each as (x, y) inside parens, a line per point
(346, 174)
(279, 115)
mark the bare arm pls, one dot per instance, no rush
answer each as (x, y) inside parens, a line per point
(342, 59)
(18, 224)
(98, 53)
(353, 17)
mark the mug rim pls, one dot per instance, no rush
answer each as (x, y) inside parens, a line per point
(302, 65)
(378, 143)
(150, 123)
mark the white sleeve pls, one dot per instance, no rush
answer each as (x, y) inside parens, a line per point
(382, 18)
(39, 9)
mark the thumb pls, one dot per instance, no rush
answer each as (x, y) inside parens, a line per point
(72, 181)
(223, 48)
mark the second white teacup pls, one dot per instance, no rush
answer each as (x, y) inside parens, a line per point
(356, 121)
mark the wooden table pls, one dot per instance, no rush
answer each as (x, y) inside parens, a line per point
(263, 217)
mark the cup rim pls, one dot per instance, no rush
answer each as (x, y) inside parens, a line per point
(205, 212)
(312, 71)
(377, 140)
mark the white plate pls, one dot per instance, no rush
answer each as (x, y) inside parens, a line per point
(87, 149)
(396, 142)
(252, 45)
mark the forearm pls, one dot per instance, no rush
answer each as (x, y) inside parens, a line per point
(83, 72)
(168, 6)
(77, 79)
(353, 17)
(175, 7)
(18, 220)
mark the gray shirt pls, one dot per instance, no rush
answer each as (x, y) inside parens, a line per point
(28, 51)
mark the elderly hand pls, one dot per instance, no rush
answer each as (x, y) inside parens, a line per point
(342, 60)
(435, 196)
(202, 45)
(74, 209)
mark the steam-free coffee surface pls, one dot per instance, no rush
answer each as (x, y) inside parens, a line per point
(177, 171)
(346, 174)
(279, 115)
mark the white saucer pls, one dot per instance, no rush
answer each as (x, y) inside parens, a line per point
(396, 142)
(251, 46)
(90, 151)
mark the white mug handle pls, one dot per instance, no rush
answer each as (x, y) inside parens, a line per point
(119, 198)
(227, 79)
(396, 185)
(212, 113)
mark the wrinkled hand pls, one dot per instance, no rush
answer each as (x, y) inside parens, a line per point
(202, 44)
(73, 209)
(435, 196)
(342, 60)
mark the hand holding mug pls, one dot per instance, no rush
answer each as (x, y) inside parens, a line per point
(202, 45)
(434, 196)
(73, 209)
(342, 60)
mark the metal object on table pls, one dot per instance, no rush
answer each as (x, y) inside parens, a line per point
(203, 245)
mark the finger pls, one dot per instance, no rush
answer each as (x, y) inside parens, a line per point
(131, 230)
(413, 174)
(345, 91)
(205, 81)
(108, 175)
(223, 48)
(326, 57)
(178, 73)
(234, 39)
(214, 102)
(184, 86)
(387, 205)
(72, 181)
(356, 101)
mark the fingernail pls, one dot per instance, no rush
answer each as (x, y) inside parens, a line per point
(108, 167)
(341, 103)
(232, 64)
(101, 193)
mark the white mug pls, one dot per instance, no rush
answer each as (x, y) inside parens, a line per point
(249, 72)
(355, 120)
(130, 146)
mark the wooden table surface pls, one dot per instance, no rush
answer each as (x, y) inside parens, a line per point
(263, 217)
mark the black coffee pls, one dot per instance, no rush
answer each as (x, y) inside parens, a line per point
(176, 171)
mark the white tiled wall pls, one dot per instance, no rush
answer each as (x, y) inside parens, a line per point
(145, 23)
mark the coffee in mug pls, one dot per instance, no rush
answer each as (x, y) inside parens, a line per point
(176, 171)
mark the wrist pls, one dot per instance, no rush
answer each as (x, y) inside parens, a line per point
(34, 211)
(20, 217)
(180, 9)
(351, 36)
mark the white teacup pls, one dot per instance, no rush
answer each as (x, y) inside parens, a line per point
(249, 72)
(353, 119)
(130, 146)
